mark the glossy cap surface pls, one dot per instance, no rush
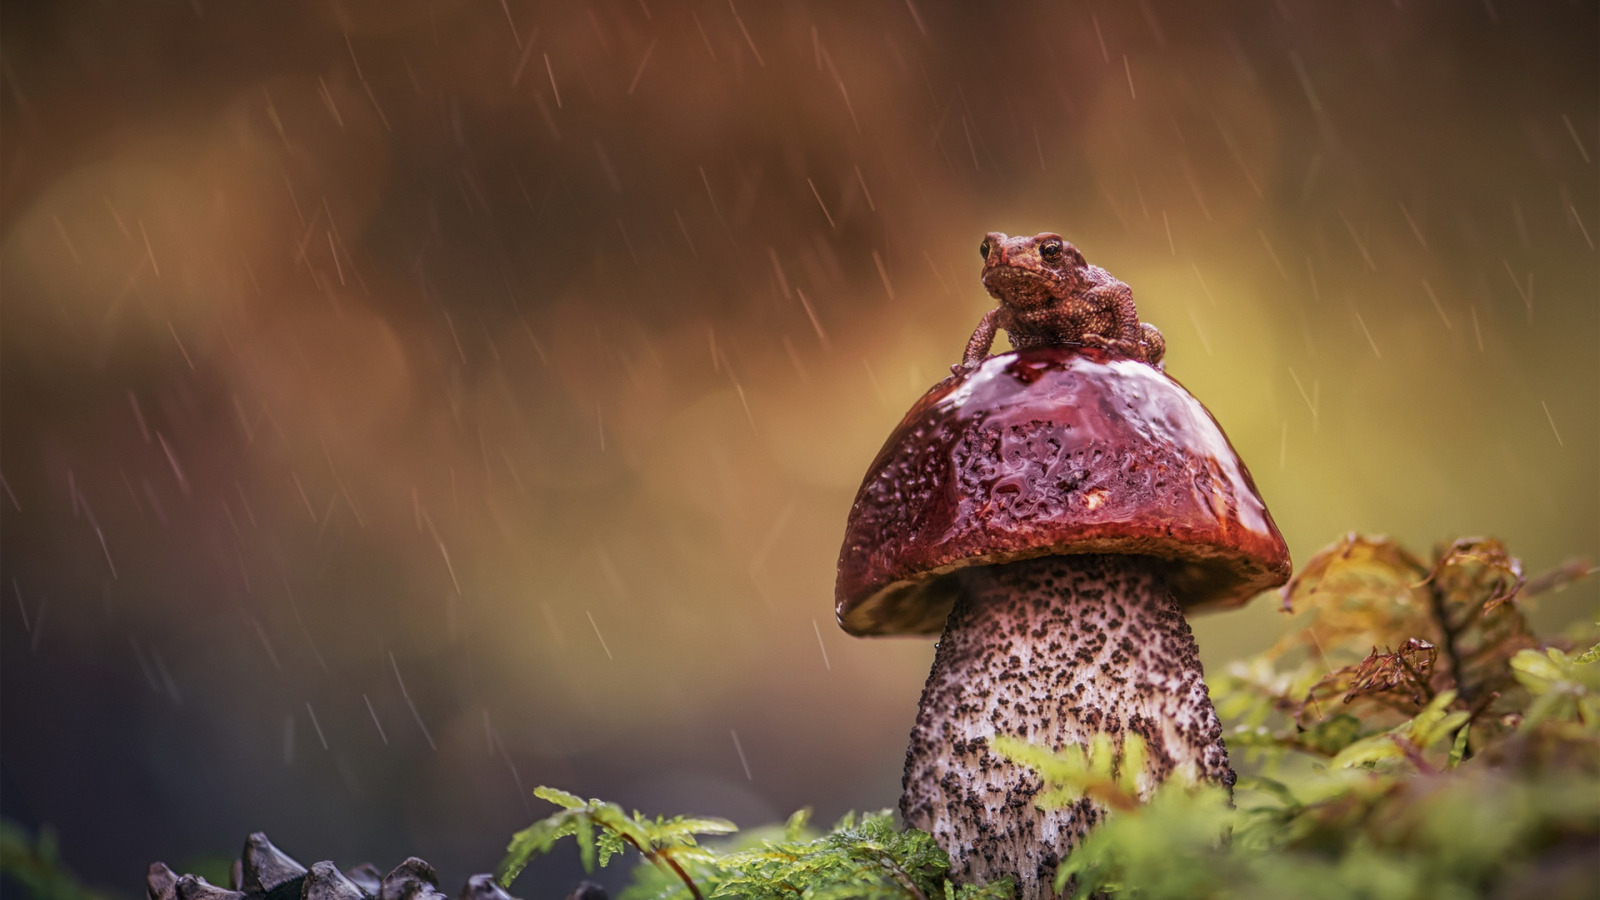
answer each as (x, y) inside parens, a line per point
(1053, 450)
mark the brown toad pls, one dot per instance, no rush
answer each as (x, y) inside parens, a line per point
(1049, 295)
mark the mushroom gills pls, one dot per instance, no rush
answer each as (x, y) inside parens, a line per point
(1053, 650)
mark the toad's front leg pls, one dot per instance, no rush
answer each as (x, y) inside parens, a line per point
(980, 342)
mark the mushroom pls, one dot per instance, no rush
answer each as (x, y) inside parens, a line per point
(1055, 511)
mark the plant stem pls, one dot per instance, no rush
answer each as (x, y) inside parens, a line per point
(1448, 645)
(659, 858)
(685, 876)
(901, 876)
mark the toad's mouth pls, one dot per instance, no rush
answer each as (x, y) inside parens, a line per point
(1024, 287)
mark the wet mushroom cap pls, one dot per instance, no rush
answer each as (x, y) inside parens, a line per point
(1048, 451)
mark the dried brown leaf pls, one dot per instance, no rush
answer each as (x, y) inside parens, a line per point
(1472, 590)
(1362, 592)
(1456, 625)
(1399, 681)
(1404, 671)
(1480, 568)
(1355, 563)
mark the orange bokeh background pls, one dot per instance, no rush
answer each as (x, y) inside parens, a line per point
(409, 403)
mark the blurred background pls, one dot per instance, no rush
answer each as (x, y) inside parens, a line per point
(407, 403)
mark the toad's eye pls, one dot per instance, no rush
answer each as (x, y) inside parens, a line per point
(1050, 250)
(983, 249)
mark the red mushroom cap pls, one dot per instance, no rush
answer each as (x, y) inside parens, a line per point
(1053, 450)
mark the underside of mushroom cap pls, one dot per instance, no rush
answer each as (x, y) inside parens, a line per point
(1053, 450)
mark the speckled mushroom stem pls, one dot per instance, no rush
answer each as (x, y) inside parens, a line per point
(1054, 651)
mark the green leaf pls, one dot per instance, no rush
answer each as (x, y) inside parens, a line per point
(1427, 728)
(559, 797)
(1332, 735)
(682, 829)
(1541, 672)
(602, 831)
(1269, 786)
(1133, 764)
(611, 817)
(1098, 771)
(1458, 749)
(609, 844)
(1434, 723)
(1589, 656)
(1368, 751)
(584, 831)
(1563, 688)
(535, 840)
(798, 826)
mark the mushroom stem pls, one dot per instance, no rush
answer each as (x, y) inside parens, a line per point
(1053, 650)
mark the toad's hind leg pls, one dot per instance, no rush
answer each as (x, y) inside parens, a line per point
(1114, 346)
(1154, 345)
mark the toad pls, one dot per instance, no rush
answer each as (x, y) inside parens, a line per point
(1049, 295)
